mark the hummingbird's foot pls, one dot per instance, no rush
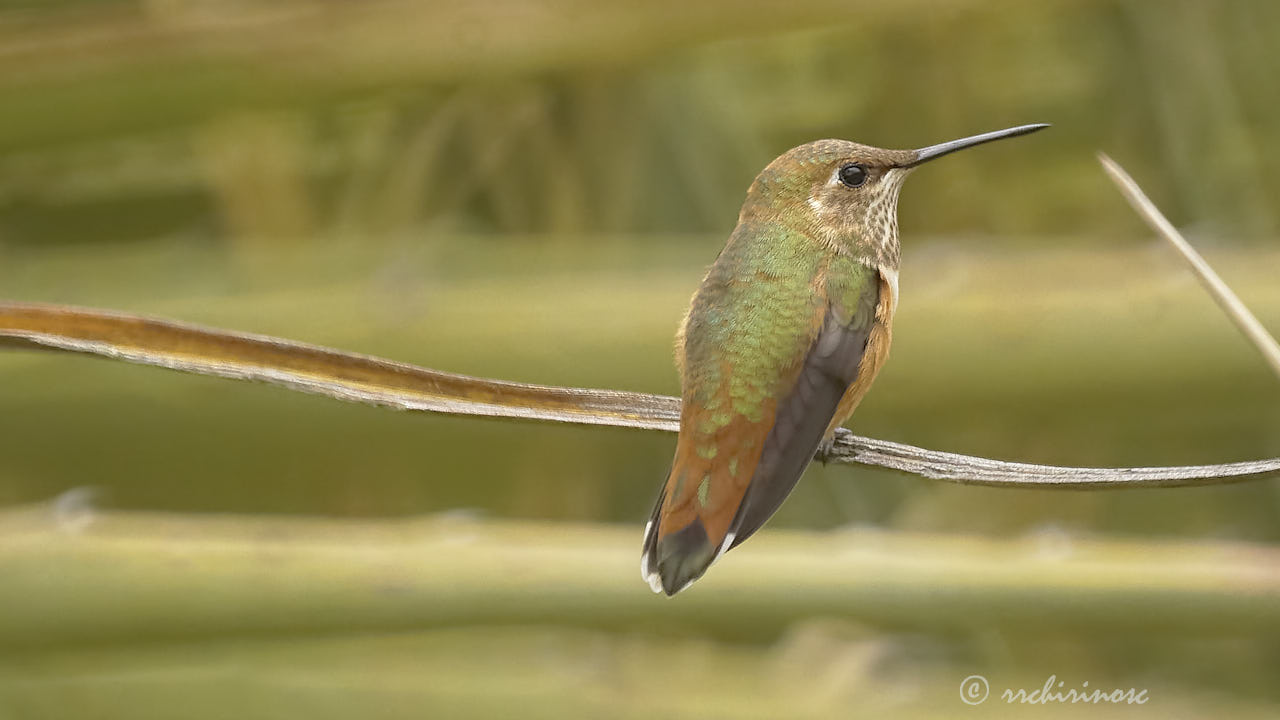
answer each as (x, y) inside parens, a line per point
(826, 448)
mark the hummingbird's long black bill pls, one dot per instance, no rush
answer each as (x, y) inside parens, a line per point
(936, 151)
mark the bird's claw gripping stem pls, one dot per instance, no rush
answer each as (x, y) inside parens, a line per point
(825, 449)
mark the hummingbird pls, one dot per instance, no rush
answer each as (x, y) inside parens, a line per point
(781, 341)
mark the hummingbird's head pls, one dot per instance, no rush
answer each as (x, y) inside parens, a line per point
(844, 194)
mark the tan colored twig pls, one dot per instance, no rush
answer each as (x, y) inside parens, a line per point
(370, 380)
(1221, 292)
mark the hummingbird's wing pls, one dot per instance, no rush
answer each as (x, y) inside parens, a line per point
(804, 415)
(759, 397)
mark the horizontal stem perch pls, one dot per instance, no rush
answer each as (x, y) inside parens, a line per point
(375, 381)
(322, 371)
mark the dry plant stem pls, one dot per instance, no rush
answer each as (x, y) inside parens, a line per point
(1221, 292)
(374, 381)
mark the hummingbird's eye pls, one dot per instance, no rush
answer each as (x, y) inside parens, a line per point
(852, 175)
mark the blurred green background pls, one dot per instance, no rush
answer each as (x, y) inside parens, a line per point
(531, 190)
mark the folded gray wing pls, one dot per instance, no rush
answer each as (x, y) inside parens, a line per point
(803, 414)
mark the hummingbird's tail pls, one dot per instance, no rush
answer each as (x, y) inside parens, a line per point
(671, 563)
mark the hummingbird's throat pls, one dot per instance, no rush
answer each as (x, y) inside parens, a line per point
(862, 224)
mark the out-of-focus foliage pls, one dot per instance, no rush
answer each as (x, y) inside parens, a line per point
(531, 190)
(261, 122)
